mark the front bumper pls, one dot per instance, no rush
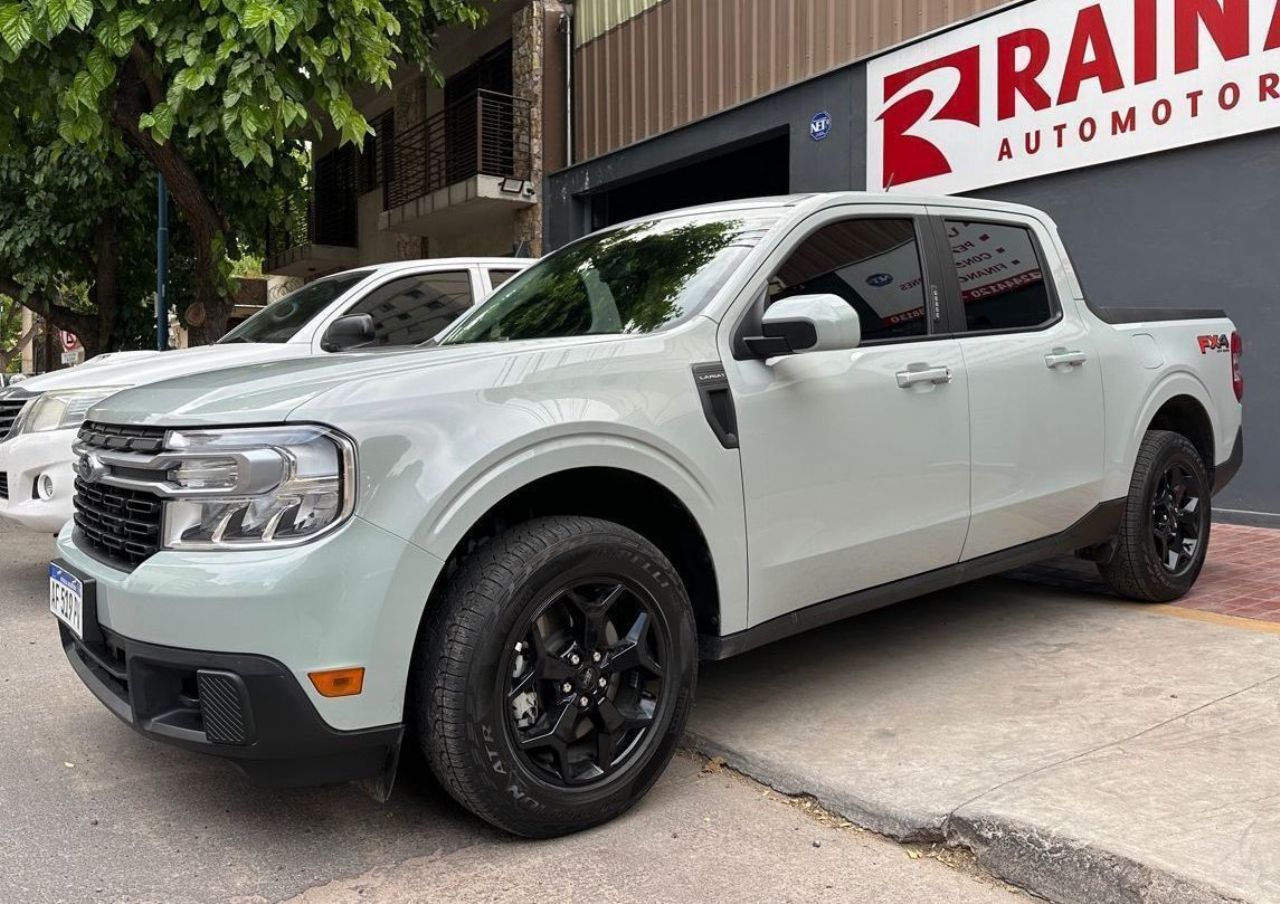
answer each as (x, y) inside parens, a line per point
(23, 461)
(249, 709)
(352, 598)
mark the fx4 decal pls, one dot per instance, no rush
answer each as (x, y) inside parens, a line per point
(1218, 343)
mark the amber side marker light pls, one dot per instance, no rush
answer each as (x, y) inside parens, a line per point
(338, 682)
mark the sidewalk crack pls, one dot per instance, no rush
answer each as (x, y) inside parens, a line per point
(1104, 745)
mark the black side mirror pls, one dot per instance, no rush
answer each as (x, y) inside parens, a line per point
(348, 332)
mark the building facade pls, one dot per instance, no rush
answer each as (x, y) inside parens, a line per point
(455, 165)
(1150, 130)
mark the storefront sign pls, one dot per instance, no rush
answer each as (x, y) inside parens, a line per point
(1054, 85)
(820, 126)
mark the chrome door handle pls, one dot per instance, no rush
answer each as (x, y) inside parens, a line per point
(1064, 356)
(922, 373)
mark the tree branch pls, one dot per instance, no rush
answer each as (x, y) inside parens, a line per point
(61, 316)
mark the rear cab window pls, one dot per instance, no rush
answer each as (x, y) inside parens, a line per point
(1003, 285)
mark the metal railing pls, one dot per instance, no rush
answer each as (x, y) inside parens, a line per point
(485, 133)
(328, 215)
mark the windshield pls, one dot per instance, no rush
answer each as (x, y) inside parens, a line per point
(281, 320)
(636, 279)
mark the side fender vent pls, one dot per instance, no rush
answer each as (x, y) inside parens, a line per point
(717, 402)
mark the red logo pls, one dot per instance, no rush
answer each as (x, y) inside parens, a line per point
(947, 89)
(1213, 344)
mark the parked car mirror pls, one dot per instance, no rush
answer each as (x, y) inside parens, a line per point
(806, 323)
(348, 332)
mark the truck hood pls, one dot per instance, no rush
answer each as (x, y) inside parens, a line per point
(134, 368)
(267, 392)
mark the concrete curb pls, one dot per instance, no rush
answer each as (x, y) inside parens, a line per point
(1067, 870)
(1060, 869)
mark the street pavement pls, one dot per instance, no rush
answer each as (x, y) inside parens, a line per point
(92, 812)
(1087, 749)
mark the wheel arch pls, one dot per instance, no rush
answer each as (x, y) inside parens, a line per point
(1179, 403)
(1188, 416)
(628, 497)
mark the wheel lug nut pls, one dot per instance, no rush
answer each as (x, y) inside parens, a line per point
(566, 687)
(596, 656)
(603, 682)
(584, 701)
(574, 659)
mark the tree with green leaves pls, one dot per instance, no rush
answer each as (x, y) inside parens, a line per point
(219, 96)
(74, 222)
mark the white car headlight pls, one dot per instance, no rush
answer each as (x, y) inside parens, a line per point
(61, 409)
(254, 488)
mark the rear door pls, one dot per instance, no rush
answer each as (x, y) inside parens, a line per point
(497, 276)
(1035, 382)
(855, 463)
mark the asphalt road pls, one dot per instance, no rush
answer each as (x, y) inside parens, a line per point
(93, 812)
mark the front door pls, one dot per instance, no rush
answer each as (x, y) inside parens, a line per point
(855, 463)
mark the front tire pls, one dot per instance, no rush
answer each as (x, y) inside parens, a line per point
(1164, 536)
(557, 675)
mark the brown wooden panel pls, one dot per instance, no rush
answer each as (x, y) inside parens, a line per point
(681, 60)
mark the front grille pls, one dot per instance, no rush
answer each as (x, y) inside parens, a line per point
(10, 408)
(120, 526)
(123, 525)
(4, 485)
(121, 438)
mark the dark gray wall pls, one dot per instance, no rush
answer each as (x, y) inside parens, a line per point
(1198, 227)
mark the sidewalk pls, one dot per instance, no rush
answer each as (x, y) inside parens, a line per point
(1087, 749)
(1241, 576)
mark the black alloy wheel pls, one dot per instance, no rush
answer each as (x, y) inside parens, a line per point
(585, 681)
(1177, 517)
(555, 674)
(1159, 549)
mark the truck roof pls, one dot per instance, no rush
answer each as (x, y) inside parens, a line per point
(806, 202)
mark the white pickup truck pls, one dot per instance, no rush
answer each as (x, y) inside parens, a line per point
(391, 304)
(677, 438)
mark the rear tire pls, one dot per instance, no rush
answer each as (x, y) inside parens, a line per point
(556, 675)
(1164, 536)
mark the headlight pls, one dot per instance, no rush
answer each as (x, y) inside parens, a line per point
(255, 488)
(56, 410)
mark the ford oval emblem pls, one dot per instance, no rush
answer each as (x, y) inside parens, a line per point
(90, 468)
(879, 280)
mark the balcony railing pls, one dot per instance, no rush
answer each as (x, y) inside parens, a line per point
(329, 214)
(484, 134)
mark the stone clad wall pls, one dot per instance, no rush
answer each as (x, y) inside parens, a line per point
(527, 37)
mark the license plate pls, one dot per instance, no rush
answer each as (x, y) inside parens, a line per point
(66, 599)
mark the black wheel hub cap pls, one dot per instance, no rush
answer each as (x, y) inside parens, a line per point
(1177, 518)
(585, 682)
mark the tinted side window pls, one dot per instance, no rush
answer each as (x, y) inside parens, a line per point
(873, 264)
(412, 310)
(1001, 280)
(498, 277)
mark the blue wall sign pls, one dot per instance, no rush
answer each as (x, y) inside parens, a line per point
(820, 126)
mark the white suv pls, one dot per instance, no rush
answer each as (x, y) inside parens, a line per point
(685, 436)
(387, 305)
